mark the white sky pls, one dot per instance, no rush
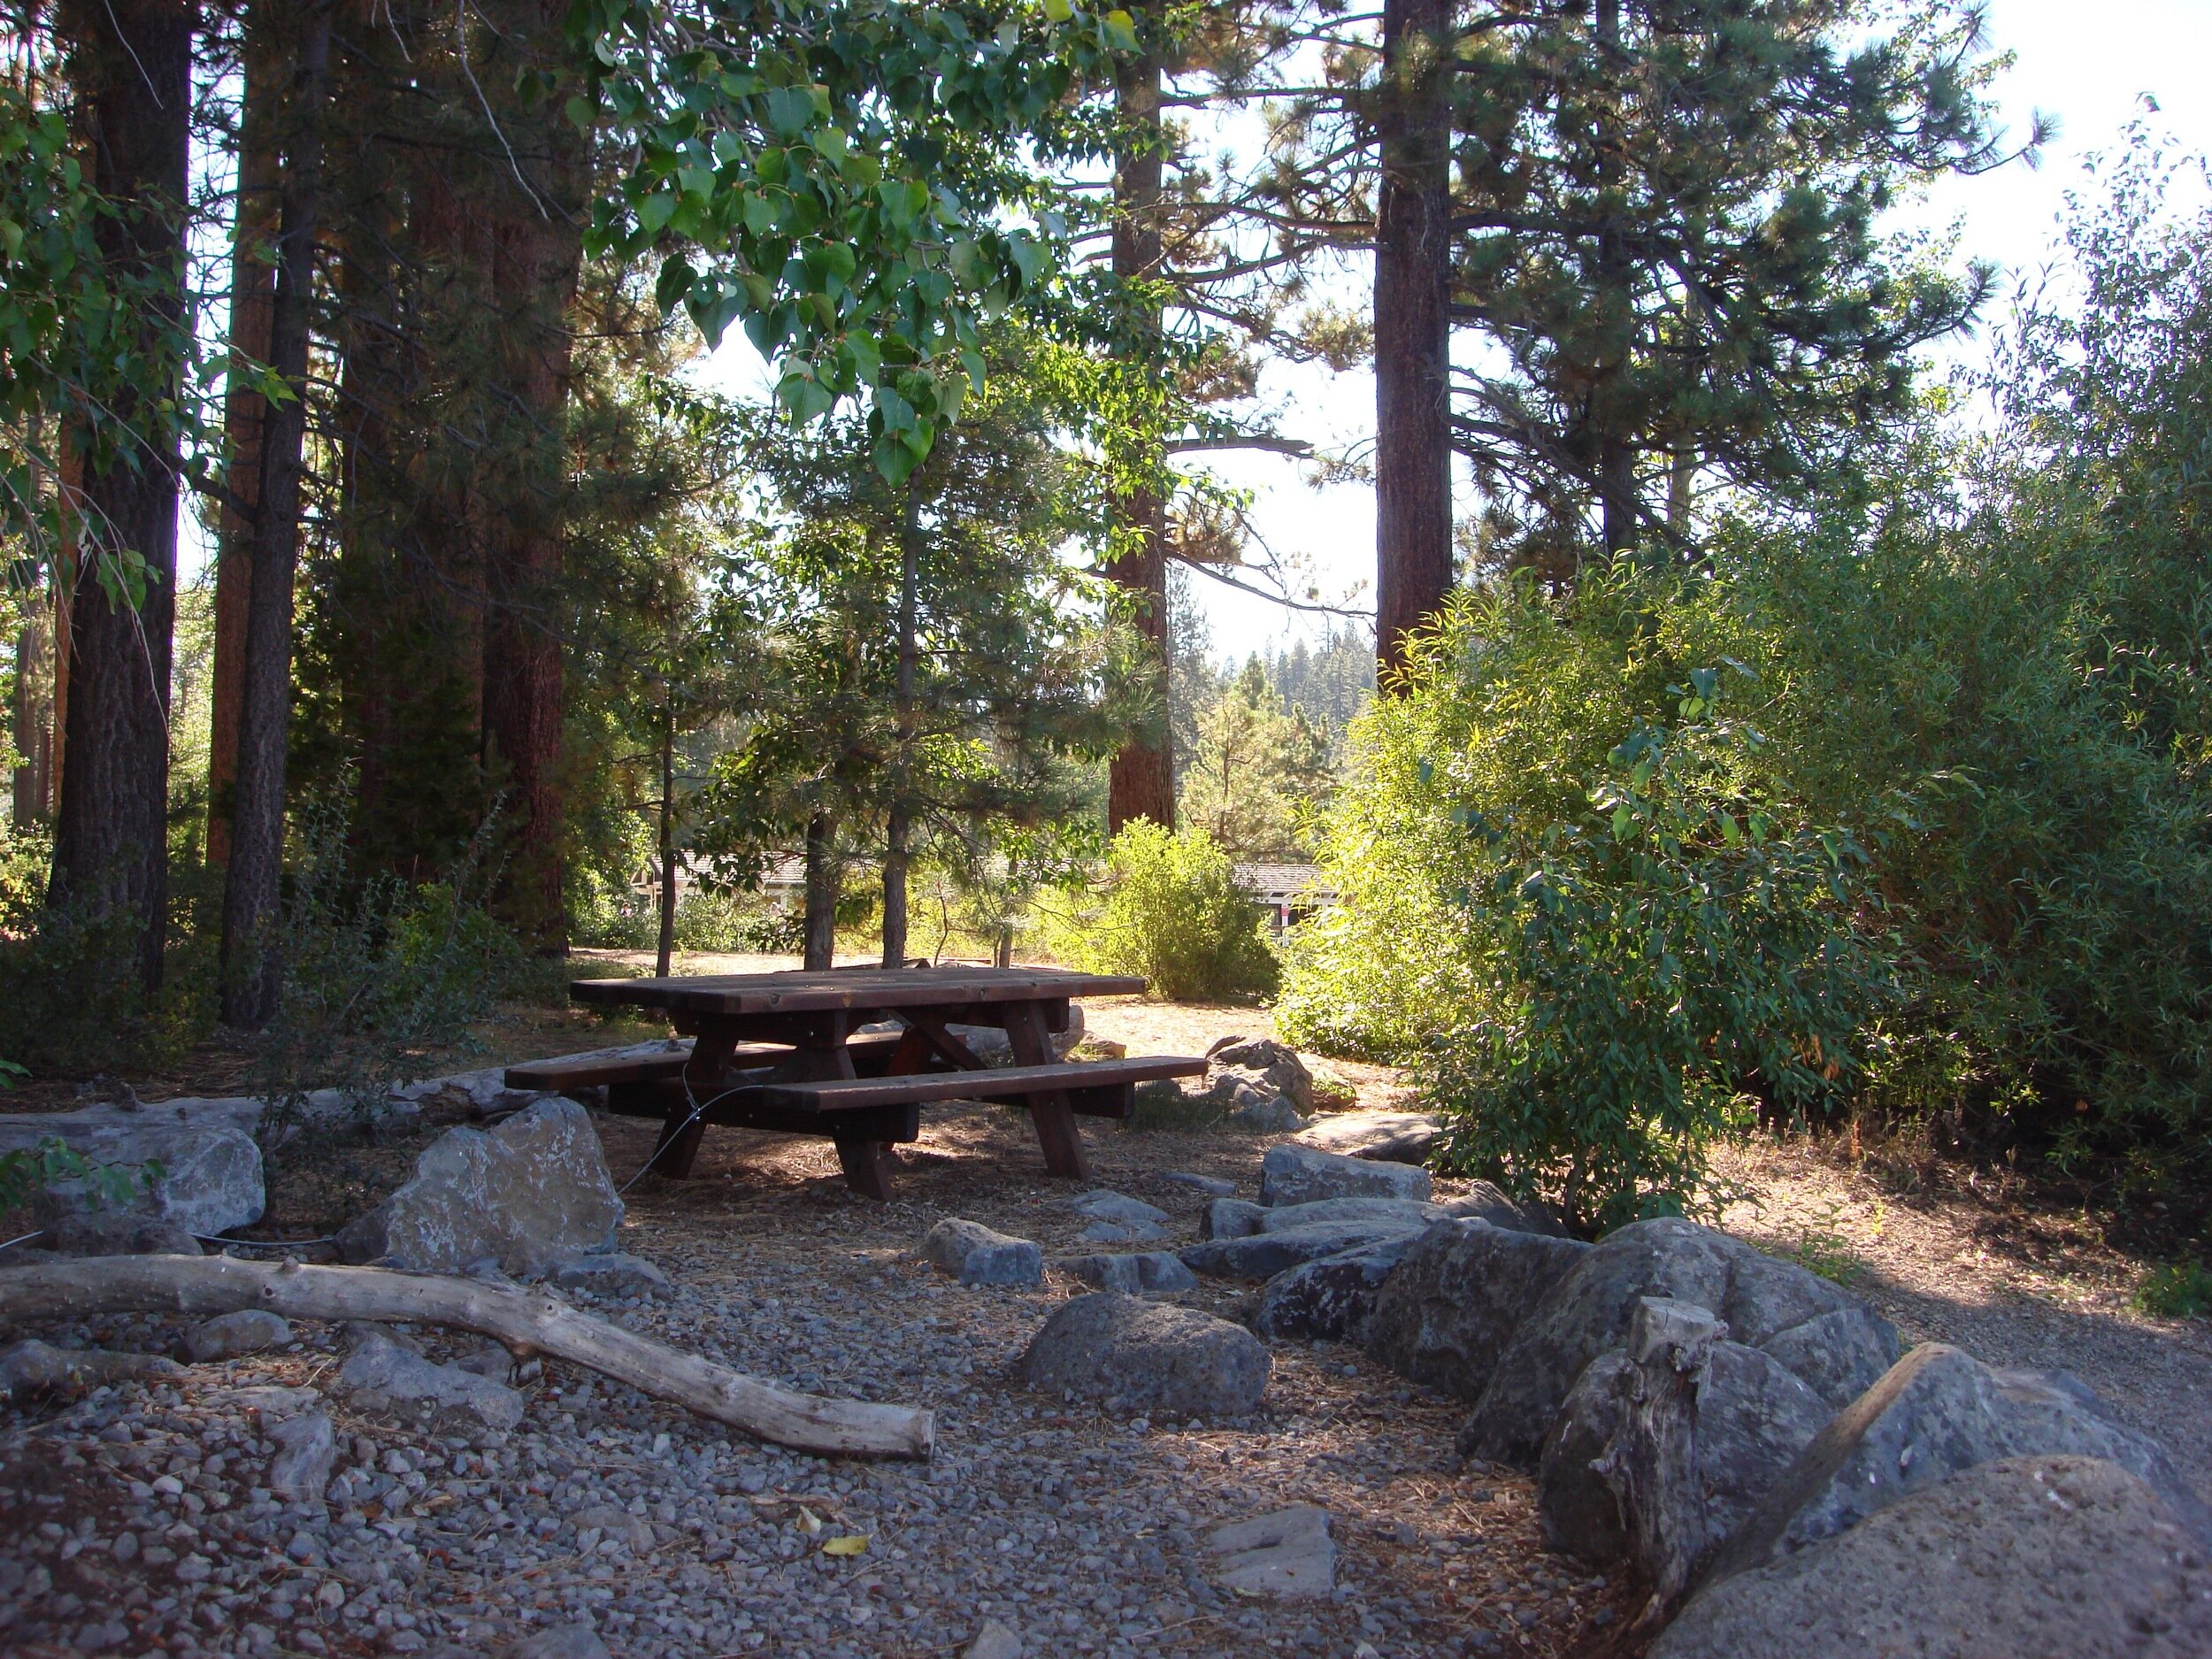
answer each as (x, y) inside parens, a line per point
(2085, 65)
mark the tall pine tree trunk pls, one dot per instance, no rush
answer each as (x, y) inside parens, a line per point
(822, 881)
(253, 963)
(899, 825)
(1413, 437)
(34, 781)
(252, 307)
(667, 945)
(1141, 783)
(1618, 498)
(535, 223)
(131, 61)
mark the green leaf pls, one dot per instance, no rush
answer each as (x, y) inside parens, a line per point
(1058, 11)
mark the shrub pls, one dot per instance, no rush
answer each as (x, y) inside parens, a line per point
(2179, 1290)
(1172, 911)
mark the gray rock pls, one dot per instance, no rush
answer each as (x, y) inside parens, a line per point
(565, 1641)
(1123, 1231)
(1264, 1254)
(1330, 1299)
(1708, 1428)
(2050, 1557)
(1229, 1218)
(1938, 1411)
(31, 1367)
(599, 1521)
(307, 1449)
(1832, 1353)
(1256, 1112)
(1294, 1174)
(1287, 1554)
(1587, 1311)
(1148, 1356)
(1387, 1137)
(119, 1233)
(1266, 1065)
(1212, 1186)
(379, 1375)
(615, 1273)
(531, 1194)
(991, 1045)
(1453, 1306)
(1148, 1271)
(993, 1640)
(1482, 1202)
(212, 1177)
(1577, 1505)
(1323, 1211)
(974, 1254)
(227, 1335)
(1102, 1205)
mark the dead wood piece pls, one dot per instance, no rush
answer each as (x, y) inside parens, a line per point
(526, 1321)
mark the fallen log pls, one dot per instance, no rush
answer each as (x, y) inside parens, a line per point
(527, 1321)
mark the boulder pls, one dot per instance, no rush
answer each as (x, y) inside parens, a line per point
(1330, 1299)
(1384, 1136)
(381, 1375)
(1212, 1186)
(1323, 1211)
(1707, 1427)
(1264, 1254)
(1256, 1112)
(307, 1450)
(617, 1273)
(1287, 1554)
(1587, 1312)
(1294, 1174)
(1117, 1218)
(1938, 1411)
(2047, 1557)
(1577, 1505)
(1482, 1202)
(1147, 1271)
(1229, 1218)
(974, 1254)
(1264, 1065)
(993, 1640)
(119, 1233)
(210, 1178)
(991, 1045)
(1147, 1355)
(31, 1368)
(1452, 1308)
(532, 1195)
(228, 1335)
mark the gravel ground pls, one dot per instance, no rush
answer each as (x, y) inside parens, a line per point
(1079, 1530)
(134, 1521)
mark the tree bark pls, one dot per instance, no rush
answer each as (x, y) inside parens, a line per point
(821, 892)
(252, 961)
(899, 821)
(131, 61)
(34, 781)
(1413, 440)
(1618, 502)
(252, 310)
(528, 1322)
(1140, 782)
(667, 948)
(537, 253)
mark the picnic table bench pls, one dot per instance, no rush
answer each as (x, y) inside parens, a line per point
(785, 1052)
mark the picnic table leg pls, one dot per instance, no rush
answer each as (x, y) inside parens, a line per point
(1061, 1141)
(867, 1165)
(682, 1129)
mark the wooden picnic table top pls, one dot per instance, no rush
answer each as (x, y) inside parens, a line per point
(798, 991)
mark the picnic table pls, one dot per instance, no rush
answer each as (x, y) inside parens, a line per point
(788, 1051)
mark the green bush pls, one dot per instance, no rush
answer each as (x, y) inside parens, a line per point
(1171, 912)
(2179, 1290)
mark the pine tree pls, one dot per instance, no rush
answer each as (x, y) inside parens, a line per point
(1668, 248)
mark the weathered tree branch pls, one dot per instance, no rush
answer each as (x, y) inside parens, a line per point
(526, 1321)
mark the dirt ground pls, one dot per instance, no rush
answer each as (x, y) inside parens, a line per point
(1436, 1557)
